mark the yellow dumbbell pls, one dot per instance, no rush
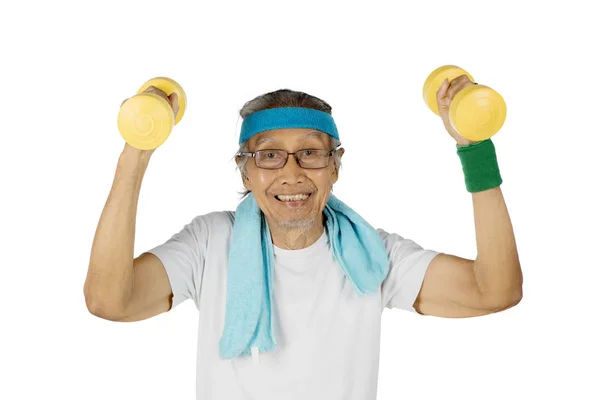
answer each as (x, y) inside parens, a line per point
(476, 112)
(145, 120)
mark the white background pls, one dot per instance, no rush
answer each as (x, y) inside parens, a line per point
(67, 66)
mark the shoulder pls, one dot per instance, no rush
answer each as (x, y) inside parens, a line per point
(389, 238)
(397, 245)
(219, 218)
(215, 221)
(204, 233)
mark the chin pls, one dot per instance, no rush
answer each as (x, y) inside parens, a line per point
(304, 220)
(304, 223)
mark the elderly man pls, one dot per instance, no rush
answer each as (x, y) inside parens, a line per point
(291, 286)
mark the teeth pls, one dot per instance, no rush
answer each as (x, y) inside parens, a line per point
(294, 197)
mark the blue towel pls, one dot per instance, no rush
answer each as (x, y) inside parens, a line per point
(357, 247)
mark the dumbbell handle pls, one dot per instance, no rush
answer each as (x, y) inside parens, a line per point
(476, 112)
(168, 86)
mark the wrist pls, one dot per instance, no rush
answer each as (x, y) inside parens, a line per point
(466, 144)
(133, 160)
(480, 165)
(132, 154)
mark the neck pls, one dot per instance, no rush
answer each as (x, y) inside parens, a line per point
(296, 238)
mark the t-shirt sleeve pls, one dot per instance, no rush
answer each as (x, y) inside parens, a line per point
(183, 258)
(408, 265)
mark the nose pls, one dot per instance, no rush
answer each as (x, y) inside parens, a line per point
(292, 172)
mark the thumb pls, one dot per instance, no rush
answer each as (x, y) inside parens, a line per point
(443, 90)
(173, 98)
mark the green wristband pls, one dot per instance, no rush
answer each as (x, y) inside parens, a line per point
(479, 165)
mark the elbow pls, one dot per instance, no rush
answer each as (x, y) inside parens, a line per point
(504, 295)
(100, 308)
(516, 294)
(513, 300)
(95, 307)
(507, 300)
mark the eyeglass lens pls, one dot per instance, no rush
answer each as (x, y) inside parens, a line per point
(277, 158)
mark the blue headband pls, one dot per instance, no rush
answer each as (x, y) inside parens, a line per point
(287, 117)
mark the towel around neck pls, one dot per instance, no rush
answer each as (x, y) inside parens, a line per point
(358, 249)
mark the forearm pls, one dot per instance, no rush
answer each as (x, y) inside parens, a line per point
(497, 268)
(110, 272)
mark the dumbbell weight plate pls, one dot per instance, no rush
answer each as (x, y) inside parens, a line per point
(477, 112)
(145, 121)
(434, 81)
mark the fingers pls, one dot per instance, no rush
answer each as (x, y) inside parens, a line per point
(154, 89)
(442, 91)
(174, 100)
(457, 85)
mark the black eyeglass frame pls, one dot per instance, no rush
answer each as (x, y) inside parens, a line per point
(296, 154)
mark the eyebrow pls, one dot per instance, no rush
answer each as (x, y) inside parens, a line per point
(265, 139)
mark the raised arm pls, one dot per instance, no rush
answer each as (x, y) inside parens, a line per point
(119, 287)
(459, 287)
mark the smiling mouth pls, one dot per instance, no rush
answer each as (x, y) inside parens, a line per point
(294, 197)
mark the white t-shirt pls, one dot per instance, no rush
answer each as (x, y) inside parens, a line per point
(327, 336)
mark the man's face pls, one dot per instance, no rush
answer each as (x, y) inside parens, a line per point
(268, 184)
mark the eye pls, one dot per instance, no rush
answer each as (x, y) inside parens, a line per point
(307, 153)
(270, 155)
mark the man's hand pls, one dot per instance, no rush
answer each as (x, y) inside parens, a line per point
(172, 98)
(445, 94)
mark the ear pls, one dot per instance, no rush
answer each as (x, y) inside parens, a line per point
(245, 180)
(336, 170)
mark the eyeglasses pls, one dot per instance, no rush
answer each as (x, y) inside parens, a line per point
(306, 158)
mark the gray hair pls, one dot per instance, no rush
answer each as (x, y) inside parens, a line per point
(283, 98)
